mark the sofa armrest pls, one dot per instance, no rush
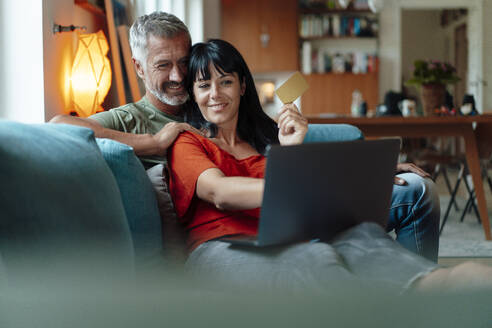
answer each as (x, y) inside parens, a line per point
(332, 132)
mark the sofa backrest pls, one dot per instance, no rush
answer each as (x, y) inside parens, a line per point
(61, 210)
(332, 132)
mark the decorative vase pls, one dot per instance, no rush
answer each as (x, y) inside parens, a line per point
(433, 96)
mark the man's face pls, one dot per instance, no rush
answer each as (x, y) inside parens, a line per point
(165, 68)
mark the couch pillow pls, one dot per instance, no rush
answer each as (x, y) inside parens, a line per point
(61, 211)
(139, 200)
(332, 132)
(174, 239)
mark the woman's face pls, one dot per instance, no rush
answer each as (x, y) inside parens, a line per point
(219, 97)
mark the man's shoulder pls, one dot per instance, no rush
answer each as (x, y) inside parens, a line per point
(123, 118)
(129, 107)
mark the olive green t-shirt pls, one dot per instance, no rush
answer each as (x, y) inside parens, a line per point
(140, 117)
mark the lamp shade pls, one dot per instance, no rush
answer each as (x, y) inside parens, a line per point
(91, 73)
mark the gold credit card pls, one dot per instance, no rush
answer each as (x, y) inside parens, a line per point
(292, 89)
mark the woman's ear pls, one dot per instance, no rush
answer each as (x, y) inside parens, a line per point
(243, 87)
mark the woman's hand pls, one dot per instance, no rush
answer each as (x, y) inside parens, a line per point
(292, 126)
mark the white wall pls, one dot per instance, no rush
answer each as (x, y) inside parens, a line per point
(35, 64)
(416, 25)
(487, 57)
(59, 50)
(21, 61)
(389, 49)
(211, 19)
(191, 12)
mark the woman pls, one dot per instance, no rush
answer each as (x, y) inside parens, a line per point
(217, 187)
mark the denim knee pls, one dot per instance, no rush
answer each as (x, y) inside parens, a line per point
(417, 192)
(415, 214)
(416, 187)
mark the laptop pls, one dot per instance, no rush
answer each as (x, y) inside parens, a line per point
(318, 190)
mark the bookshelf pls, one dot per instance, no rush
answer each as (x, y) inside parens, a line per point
(338, 54)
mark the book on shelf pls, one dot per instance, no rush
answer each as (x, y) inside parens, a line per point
(333, 4)
(321, 60)
(306, 57)
(335, 25)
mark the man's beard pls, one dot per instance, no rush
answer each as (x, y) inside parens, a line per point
(175, 100)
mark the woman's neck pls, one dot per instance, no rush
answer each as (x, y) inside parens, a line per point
(228, 136)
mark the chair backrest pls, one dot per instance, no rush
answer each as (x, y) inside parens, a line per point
(332, 132)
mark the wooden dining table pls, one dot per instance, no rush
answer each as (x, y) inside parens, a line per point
(475, 130)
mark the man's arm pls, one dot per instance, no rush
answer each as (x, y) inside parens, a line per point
(409, 167)
(142, 144)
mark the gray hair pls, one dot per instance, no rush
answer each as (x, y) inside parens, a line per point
(159, 24)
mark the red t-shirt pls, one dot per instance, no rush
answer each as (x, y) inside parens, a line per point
(192, 154)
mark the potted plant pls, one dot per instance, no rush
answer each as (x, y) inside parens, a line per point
(432, 76)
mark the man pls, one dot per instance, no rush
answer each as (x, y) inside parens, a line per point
(160, 45)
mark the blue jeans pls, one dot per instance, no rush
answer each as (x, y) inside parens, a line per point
(415, 214)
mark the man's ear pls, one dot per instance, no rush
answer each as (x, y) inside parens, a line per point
(138, 68)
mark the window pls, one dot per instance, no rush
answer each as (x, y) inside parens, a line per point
(189, 11)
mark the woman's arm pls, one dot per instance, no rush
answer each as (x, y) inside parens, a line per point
(229, 193)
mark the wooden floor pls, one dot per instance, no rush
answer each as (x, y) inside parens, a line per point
(449, 261)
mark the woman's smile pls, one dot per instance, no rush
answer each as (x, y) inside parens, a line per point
(217, 107)
(218, 96)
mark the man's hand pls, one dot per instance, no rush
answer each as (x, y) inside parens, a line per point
(409, 167)
(166, 136)
(292, 125)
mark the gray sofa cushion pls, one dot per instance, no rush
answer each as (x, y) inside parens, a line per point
(61, 211)
(174, 237)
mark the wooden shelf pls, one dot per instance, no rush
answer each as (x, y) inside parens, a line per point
(318, 11)
(86, 4)
(342, 74)
(329, 37)
(332, 92)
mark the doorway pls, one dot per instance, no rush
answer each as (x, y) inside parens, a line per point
(447, 43)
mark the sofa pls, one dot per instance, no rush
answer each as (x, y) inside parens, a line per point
(82, 219)
(78, 206)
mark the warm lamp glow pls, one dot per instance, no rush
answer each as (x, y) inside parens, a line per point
(91, 73)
